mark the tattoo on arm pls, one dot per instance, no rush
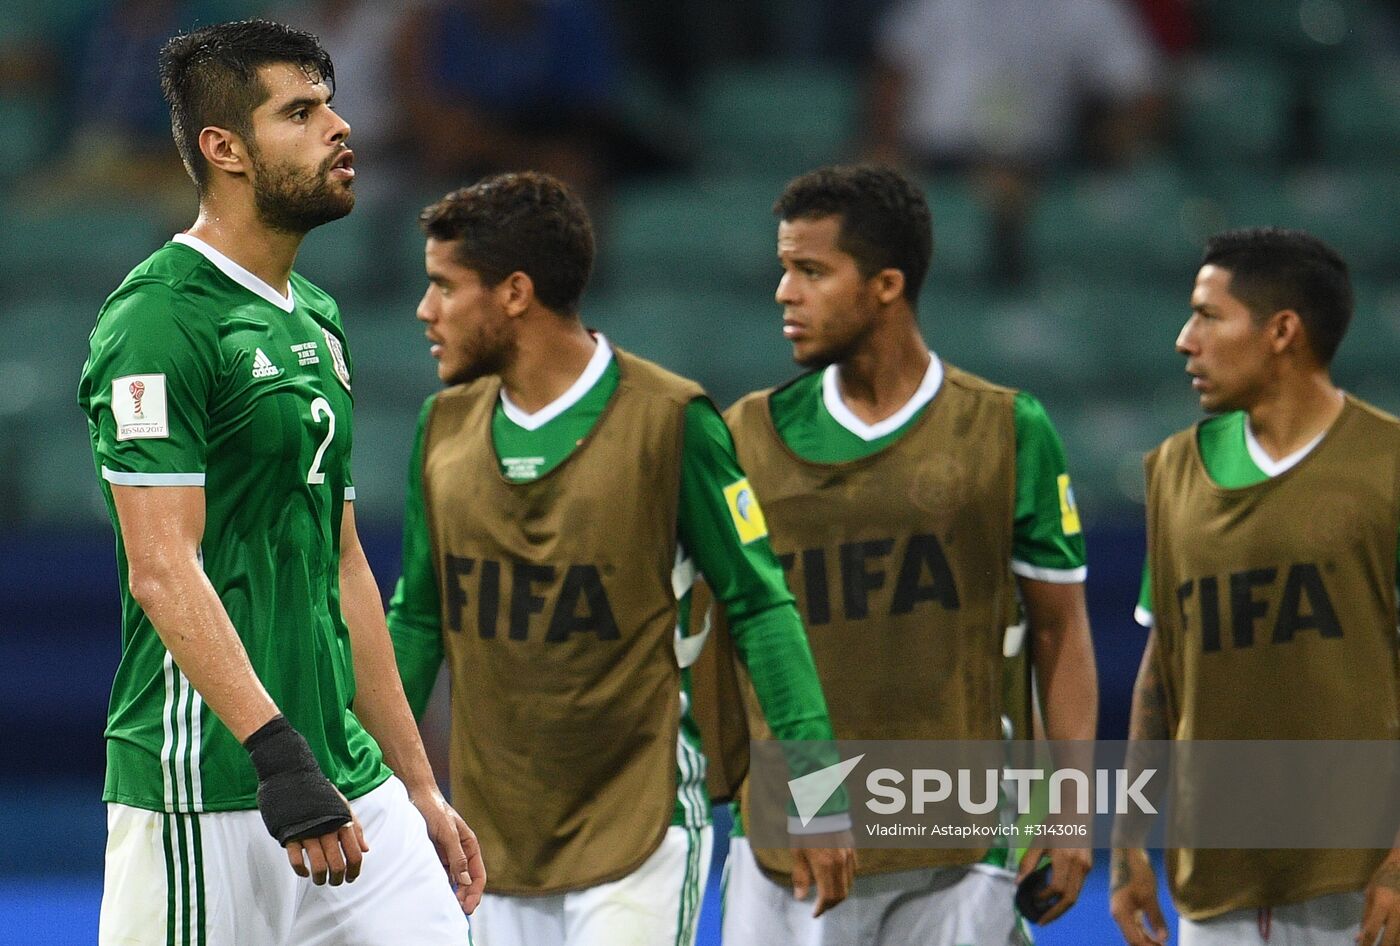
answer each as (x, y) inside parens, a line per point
(1118, 870)
(1149, 714)
(1148, 729)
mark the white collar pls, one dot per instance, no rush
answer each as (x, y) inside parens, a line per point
(237, 273)
(831, 397)
(602, 354)
(1268, 464)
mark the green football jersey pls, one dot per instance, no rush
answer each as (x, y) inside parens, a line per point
(1234, 460)
(201, 374)
(744, 573)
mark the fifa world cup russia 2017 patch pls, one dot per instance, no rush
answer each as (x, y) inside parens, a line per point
(745, 511)
(139, 407)
(342, 369)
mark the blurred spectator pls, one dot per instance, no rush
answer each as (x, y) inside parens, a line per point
(24, 66)
(1171, 24)
(1002, 88)
(121, 138)
(826, 30)
(792, 30)
(492, 85)
(666, 41)
(118, 92)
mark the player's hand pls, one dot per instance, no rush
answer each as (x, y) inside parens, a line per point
(831, 869)
(1380, 924)
(302, 810)
(456, 845)
(334, 857)
(1133, 900)
(1068, 868)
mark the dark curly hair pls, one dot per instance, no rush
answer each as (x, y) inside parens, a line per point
(885, 222)
(524, 222)
(1273, 269)
(210, 77)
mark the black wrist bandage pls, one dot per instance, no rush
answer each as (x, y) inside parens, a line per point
(295, 798)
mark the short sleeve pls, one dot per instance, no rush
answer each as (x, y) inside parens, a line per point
(1047, 538)
(146, 388)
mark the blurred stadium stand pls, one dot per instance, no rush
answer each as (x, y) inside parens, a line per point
(1283, 113)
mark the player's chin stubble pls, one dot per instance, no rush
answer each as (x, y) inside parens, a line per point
(294, 201)
(488, 355)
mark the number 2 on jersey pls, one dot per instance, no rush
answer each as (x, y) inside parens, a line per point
(320, 410)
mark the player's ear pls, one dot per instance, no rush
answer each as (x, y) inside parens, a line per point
(889, 285)
(224, 150)
(515, 293)
(1285, 330)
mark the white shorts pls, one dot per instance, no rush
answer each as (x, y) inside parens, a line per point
(219, 879)
(1331, 920)
(655, 905)
(946, 906)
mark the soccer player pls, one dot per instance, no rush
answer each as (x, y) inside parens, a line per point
(903, 494)
(256, 692)
(562, 495)
(1268, 311)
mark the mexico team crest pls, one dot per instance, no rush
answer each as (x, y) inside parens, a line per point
(342, 370)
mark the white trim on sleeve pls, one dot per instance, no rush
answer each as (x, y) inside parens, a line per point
(120, 478)
(1056, 576)
(1144, 617)
(349, 494)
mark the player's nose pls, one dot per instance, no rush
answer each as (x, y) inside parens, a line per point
(785, 294)
(340, 128)
(1186, 338)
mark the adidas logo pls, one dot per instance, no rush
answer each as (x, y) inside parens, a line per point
(262, 366)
